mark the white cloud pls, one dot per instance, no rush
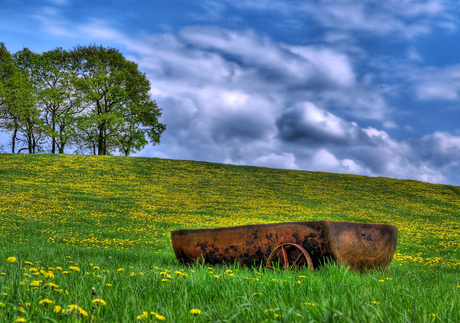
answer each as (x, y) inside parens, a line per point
(272, 160)
(433, 83)
(404, 18)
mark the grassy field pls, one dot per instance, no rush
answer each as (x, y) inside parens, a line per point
(87, 238)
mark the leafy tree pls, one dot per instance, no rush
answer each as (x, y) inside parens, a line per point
(52, 75)
(90, 97)
(18, 111)
(119, 111)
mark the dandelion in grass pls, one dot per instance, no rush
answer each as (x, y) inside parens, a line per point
(120, 270)
(99, 302)
(11, 260)
(49, 275)
(21, 319)
(3, 274)
(256, 294)
(381, 281)
(28, 263)
(59, 268)
(35, 283)
(277, 316)
(57, 309)
(108, 285)
(1, 304)
(195, 311)
(268, 310)
(46, 302)
(75, 268)
(309, 304)
(66, 272)
(159, 317)
(96, 268)
(77, 309)
(144, 315)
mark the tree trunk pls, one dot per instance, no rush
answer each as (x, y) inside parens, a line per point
(13, 140)
(53, 140)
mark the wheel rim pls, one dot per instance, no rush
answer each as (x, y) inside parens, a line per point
(285, 255)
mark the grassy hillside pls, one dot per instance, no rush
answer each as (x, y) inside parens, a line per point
(87, 238)
(80, 201)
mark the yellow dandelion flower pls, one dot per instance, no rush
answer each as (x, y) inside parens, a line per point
(57, 309)
(33, 269)
(195, 311)
(35, 283)
(96, 268)
(256, 294)
(99, 301)
(144, 315)
(120, 270)
(59, 268)
(49, 275)
(45, 302)
(108, 285)
(74, 268)
(21, 319)
(77, 309)
(28, 263)
(12, 259)
(160, 317)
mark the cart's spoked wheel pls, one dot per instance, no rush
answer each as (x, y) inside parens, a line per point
(292, 255)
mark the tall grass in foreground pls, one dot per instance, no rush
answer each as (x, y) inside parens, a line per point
(120, 286)
(87, 238)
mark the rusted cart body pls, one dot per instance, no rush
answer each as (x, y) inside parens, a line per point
(358, 245)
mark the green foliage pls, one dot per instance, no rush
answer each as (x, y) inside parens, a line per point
(90, 98)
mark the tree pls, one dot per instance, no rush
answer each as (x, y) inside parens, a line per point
(51, 74)
(117, 102)
(18, 111)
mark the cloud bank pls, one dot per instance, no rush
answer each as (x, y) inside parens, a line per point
(238, 96)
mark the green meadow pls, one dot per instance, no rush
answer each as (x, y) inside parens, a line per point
(87, 239)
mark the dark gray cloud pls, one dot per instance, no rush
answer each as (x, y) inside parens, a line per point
(307, 124)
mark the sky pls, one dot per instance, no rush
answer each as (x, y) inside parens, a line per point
(365, 87)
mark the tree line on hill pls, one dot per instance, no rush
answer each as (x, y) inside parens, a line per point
(90, 98)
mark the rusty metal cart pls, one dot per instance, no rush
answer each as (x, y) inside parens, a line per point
(290, 244)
